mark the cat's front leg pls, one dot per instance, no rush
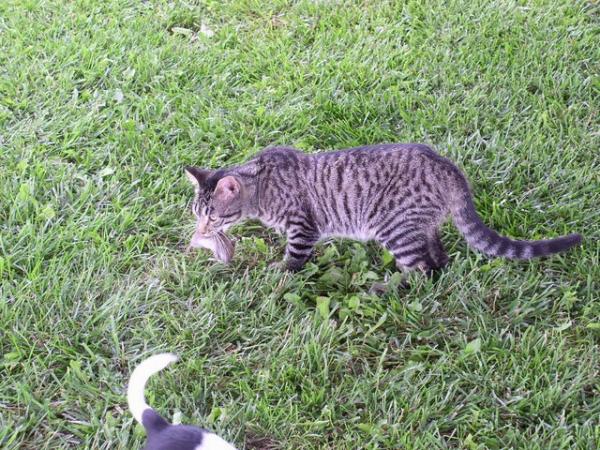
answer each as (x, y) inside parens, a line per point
(300, 245)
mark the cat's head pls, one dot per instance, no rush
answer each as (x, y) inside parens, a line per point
(218, 202)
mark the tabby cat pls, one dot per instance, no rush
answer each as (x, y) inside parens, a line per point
(395, 194)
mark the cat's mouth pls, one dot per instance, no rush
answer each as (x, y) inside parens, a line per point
(199, 238)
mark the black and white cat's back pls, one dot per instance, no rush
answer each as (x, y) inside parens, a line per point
(396, 194)
(161, 435)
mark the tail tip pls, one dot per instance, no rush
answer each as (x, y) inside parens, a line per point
(165, 359)
(562, 244)
(172, 357)
(576, 238)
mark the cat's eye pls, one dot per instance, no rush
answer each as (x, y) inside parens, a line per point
(210, 213)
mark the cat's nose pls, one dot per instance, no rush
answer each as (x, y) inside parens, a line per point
(203, 228)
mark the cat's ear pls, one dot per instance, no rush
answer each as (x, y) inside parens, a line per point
(196, 175)
(228, 189)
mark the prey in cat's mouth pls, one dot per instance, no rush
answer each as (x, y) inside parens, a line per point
(219, 243)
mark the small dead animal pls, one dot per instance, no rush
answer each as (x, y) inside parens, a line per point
(221, 246)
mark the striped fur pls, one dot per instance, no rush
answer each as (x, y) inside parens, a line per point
(396, 194)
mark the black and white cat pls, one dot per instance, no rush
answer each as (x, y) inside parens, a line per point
(161, 434)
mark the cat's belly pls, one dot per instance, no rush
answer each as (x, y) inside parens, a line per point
(357, 235)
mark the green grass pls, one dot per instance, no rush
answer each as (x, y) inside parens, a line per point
(102, 102)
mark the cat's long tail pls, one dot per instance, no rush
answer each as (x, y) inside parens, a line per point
(488, 241)
(143, 413)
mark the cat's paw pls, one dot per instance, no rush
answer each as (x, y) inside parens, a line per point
(379, 289)
(285, 266)
(278, 266)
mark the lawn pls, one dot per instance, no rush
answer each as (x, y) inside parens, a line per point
(102, 103)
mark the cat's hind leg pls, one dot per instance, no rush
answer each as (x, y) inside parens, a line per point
(437, 253)
(415, 249)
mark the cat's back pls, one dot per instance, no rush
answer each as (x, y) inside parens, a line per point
(279, 155)
(379, 151)
(376, 159)
(391, 158)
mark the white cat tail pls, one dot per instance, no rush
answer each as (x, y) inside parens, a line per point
(135, 390)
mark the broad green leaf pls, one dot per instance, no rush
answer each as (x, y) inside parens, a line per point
(473, 347)
(323, 306)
